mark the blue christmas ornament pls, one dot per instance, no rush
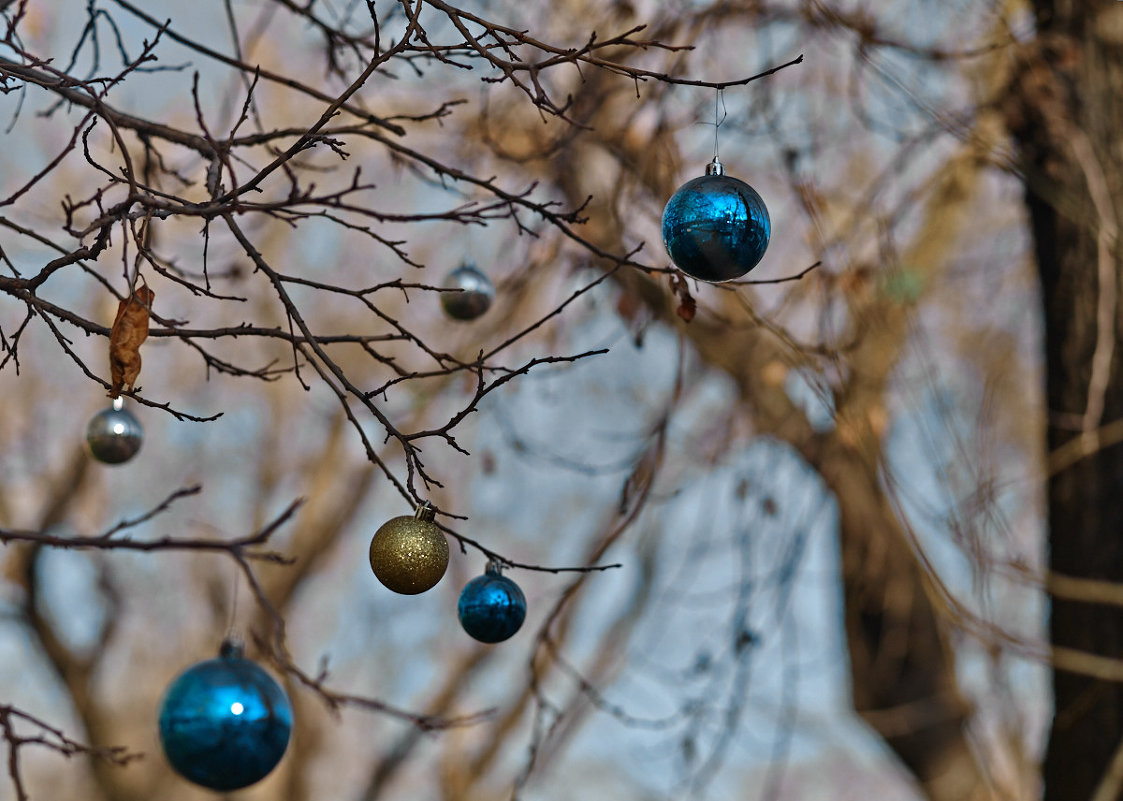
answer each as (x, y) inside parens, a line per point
(715, 227)
(225, 723)
(491, 607)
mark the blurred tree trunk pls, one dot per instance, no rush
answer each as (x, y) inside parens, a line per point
(1066, 115)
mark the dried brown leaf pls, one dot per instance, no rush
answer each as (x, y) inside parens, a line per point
(130, 329)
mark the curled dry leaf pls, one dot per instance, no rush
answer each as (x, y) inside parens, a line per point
(130, 329)
(687, 306)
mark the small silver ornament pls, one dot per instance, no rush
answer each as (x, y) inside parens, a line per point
(475, 295)
(114, 435)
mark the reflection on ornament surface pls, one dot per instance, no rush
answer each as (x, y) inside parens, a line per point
(409, 555)
(225, 723)
(114, 435)
(491, 606)
(716, 227)
(475, 295)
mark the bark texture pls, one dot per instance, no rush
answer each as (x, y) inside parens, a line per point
(1066, 114)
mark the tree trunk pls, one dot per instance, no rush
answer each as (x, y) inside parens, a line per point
(1066, 114)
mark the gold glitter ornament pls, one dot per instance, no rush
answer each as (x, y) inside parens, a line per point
(409, 554)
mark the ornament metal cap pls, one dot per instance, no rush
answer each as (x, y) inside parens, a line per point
(425, 511)
(715, 167)
(494, 568)
(232, 648)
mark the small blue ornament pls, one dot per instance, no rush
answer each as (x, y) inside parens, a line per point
(491, 607)
(715, 227)
(225, 723)
(114, 435)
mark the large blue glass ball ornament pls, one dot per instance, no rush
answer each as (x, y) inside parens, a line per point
(225, 723)
(114, 435)
(491, 606)
(715, 227)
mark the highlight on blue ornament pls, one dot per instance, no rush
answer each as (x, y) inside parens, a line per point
(225, 723)
(716, 227)
(491, 606)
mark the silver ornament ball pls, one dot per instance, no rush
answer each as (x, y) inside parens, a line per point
(475, 295)
(114, 435)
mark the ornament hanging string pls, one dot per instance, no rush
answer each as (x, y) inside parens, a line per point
(720, 113)
(719, 101)
(231, 626)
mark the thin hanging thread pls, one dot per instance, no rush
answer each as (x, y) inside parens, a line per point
(720, 113)
(231, 632)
